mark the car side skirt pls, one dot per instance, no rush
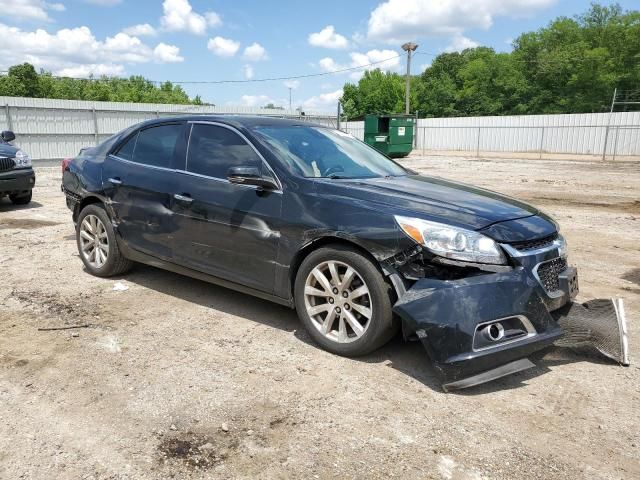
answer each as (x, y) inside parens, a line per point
(140, 257)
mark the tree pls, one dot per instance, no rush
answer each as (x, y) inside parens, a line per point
(24, 81)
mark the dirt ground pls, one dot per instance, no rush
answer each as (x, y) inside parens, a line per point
(176, 378)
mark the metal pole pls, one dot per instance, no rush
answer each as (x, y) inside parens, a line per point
(606, 132)
(408, 86)
(8, 113)
(615, 144)
(95, 125)
(541, 142)
(424, 134)
(337, 117)
(415, 131)
(478, 145)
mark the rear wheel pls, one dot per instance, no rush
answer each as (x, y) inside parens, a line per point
(21, 199)
(97, 244)
(343, 301)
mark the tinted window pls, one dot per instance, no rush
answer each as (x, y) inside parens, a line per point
(155, 145)
(126, 150)
(213, 150)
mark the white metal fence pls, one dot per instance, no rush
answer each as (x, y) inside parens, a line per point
(604, 135)
(49, 128)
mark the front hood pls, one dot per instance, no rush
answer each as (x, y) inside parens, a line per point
(431, 198)
(7, 150)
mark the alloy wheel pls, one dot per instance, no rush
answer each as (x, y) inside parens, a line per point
(338, 301)
(94, 242)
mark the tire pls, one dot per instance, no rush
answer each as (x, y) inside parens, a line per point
(111, 261)
(23, 199)
(328, 331)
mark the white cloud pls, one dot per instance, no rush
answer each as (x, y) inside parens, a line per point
(213, 19)
(256, 100)
(140, 30)
(248, 72)
(324, 101)
(223, 47)
(382, 59)
(78, 50)
(459, 43)
(292, 84)
(167, 53)
(34, 10)
(255, 52)
(328, 38)
(395, 21)
(179, 16)
(92, 69)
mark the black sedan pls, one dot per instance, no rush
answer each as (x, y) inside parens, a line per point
(314, 219)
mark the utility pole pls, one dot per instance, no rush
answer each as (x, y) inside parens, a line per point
(606, 132)
(408, 47)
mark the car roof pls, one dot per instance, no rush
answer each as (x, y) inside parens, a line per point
(238, 121)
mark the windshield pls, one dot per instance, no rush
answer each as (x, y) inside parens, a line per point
(316, 152)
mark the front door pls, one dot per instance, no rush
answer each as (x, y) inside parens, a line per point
(139, 179)
(227, 230)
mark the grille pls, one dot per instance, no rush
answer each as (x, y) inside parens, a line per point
(6, 164)
(535, 244)
(548, 273)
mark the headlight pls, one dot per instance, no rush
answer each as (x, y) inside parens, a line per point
(22, 159)
(563, 251)
(452, 242)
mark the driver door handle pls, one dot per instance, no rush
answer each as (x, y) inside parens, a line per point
(115, 181)
(183, 198)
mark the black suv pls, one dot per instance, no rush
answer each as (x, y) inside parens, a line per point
(16, 174)
(314, 219)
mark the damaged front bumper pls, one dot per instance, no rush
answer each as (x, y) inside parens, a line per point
(483, 327)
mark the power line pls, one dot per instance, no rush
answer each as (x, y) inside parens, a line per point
(253, 80)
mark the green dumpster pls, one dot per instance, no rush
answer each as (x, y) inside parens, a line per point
(391, 134)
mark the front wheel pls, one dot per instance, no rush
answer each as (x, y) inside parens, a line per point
(23, 199)
(343, 301)
(97, 244)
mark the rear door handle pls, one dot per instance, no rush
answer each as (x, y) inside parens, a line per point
(183, 198)
(115, 181)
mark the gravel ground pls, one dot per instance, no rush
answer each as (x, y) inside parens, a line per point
(178, 378)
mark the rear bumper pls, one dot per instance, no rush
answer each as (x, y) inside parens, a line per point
(17, 181)
(449, 316)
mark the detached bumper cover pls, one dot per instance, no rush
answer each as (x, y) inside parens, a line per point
(445, 316)
(17, 181)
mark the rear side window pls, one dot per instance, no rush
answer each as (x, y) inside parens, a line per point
(126, 150)
(214, 149)
(152, 146)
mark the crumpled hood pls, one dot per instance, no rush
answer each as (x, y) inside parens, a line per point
(431, 198)
(7, 150)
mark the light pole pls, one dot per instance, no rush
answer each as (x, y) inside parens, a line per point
(408, 47)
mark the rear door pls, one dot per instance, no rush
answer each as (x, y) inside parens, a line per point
(227, 230)
(139, 179)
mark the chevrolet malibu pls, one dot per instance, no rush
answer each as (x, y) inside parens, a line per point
(311, 218)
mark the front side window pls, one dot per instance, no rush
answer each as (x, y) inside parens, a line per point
(214, 149)
(318, 152)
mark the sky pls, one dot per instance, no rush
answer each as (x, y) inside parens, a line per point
(213, 40)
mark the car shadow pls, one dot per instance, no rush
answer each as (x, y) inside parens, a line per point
(7, 206)
(408, 358)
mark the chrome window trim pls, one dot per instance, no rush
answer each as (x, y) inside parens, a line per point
(243, 137)
(531, 332)
(155, 167)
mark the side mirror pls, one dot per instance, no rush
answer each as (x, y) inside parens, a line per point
(250, 176)
(8, 136)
